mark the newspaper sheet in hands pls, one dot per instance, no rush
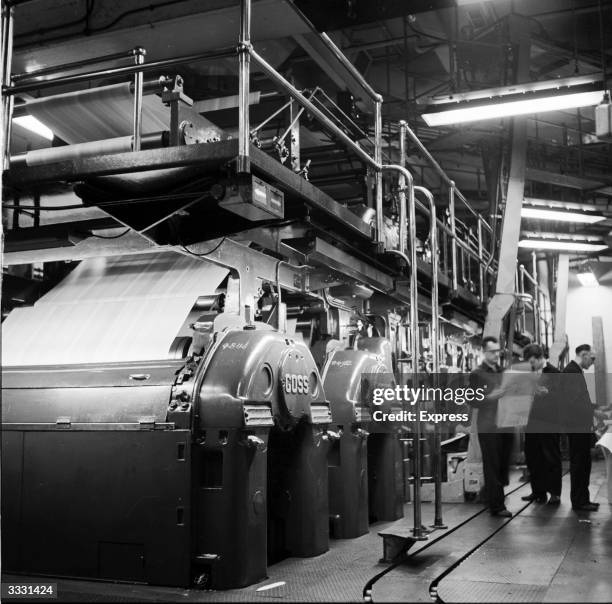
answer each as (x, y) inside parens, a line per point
(514, 406)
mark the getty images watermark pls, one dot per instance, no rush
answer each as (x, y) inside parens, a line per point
(432, 404)
(535, 403)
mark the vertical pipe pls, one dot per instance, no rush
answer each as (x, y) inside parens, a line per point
(6, 29)
(6, 64)
(481, 273)
(411, 260)
(139, 55)
(521, 283)
(536, 298)
(378, 176)
(244, 73)
(415, 353)
(402, 188)
(451, 209)
(435, 352)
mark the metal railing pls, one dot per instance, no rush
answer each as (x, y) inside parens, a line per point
(537, 301)
(466, 254)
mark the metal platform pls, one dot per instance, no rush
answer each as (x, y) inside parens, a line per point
(546, 554)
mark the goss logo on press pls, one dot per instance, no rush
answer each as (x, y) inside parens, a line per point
(296, 383)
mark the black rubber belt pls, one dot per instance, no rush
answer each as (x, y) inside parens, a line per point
(433, 586)
(367, 590)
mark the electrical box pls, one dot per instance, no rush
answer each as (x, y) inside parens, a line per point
(254, 200)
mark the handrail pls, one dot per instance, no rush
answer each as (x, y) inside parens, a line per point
(342, 59)
(302, 100)
(101, 74)
(37, 73)
(450, 183)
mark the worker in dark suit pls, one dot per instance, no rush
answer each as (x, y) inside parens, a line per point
(578, 413)
(542, 438)
(495, 443)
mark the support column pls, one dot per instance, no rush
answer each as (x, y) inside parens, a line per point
(560, 343)
(503, 299)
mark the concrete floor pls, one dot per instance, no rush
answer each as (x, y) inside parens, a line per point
(546, 554)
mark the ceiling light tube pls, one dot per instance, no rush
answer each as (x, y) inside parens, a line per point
(560, 216)
(499, 108)
(587, 279)
(30, 123)
(553, 204)
(561, 246)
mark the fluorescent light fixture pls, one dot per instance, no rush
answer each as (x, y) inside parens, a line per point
(587, 279)
(30, 123)
(499, 108)
(561, 246)
(555, 204)
(560, 216)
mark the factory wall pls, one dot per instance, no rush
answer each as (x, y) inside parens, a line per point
(584, 303)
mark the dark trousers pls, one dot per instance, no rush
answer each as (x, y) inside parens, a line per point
(543, 456)
(580, 467)
(496, 448)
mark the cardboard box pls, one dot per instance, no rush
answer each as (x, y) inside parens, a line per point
(452, 492)
(455, 466)
(473, 477)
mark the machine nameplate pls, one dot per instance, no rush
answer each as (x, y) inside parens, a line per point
(296, 383)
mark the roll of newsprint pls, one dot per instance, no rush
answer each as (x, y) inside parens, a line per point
(123, 308)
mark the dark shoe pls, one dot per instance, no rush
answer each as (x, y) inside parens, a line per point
(554, 500)
(502, 513)
(586, 507)
(534, 497)
(594, 503)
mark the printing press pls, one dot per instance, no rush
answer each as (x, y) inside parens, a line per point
(184, 405)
